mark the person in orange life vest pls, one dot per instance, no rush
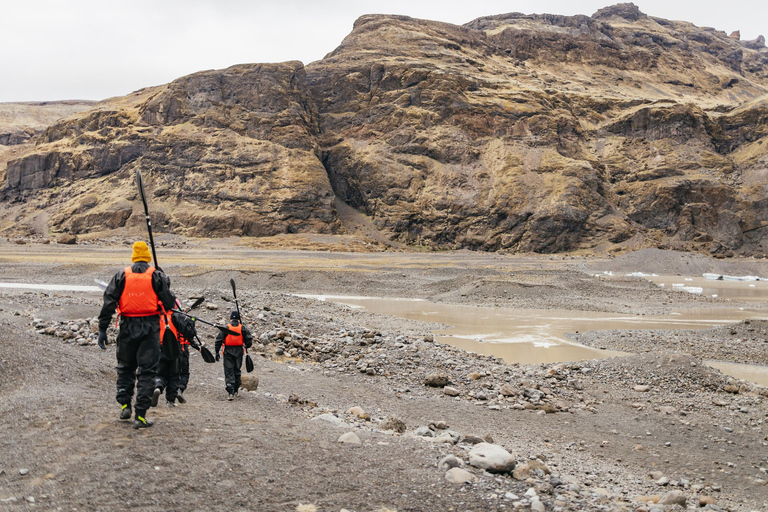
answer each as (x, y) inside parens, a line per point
(233, 352)
(168, 371)
(138, 290)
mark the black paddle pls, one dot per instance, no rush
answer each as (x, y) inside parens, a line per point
(248, 360)
(140, 183)
(171, 346)
(197, 302)
(223, 329)
(170, 343)
(205, 352)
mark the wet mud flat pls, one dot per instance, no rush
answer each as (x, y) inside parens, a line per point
(611, 433)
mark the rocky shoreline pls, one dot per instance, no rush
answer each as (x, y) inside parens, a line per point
(653, 431)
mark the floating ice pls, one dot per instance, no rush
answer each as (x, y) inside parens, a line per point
(51, 287)
(722, 277)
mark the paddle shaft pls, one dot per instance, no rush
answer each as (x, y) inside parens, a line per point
(140, 183)
(237, 306)
(195, 319)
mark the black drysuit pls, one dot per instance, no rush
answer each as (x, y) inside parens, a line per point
(138, 342)
(169, 377)
(233, 358)
(184, 360)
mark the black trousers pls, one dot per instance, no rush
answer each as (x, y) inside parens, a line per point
(137, 361)
(184, 368)
(168, 377)
(232, 365)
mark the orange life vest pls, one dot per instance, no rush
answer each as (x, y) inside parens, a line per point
(138, 298)
(234, 341)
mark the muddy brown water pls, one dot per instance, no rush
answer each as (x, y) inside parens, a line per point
(533, 336)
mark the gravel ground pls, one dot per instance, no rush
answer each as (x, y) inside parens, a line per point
(613, 434)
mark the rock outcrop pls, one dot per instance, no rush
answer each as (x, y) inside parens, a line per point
(224, 153)
(514, 132)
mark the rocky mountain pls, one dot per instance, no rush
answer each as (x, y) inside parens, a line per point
(19, 122)
(514, 132)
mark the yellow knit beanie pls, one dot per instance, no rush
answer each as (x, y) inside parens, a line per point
(141, 252)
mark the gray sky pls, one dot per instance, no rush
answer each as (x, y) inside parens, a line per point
(94, 49)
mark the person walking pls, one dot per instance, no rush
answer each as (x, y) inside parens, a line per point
(139, 292)
(187, 326)
(233, 352)
(169, 374)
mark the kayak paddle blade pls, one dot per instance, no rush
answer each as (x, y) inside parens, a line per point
(206, 354)
(171, 347)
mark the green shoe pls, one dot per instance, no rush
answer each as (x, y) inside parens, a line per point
(125, 413)
(142, 422)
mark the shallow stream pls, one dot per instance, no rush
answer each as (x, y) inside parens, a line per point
(532, 336)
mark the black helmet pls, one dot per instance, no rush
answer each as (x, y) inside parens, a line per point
(234, 315)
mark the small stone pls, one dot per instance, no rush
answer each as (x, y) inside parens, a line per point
(424, 432)
(642, 388)
(357, 411)
(23, 471)
(448, 390)
(673, 498)
(653, 498)
(662, 481)
(508, 390)
(350, 438)
(449, 462)
(707, 500)
(395, 424)
(31, 499)
(436, 380)
(211, 306)
(537, 506)
(249, 382)
(330, 418)
(511, 496)
(459, 476)
(67, 239)
(521, 472)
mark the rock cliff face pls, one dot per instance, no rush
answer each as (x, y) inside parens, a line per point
(224, 153)
(518, 132)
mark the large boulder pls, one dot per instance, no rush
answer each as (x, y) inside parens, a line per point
(492, 458)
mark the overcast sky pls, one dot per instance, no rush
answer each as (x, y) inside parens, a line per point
(95, 49)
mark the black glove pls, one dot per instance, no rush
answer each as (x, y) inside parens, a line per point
(102, 341)
(217, 357)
